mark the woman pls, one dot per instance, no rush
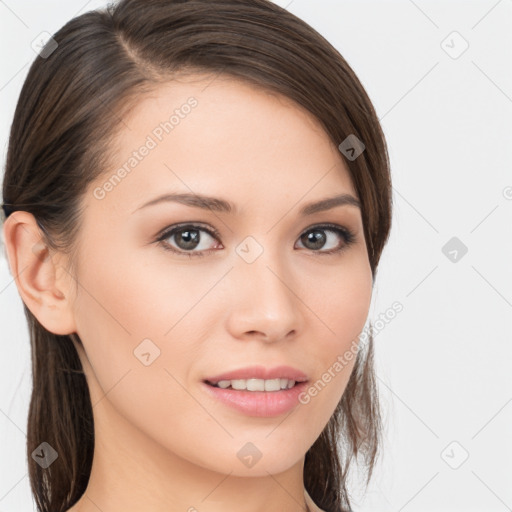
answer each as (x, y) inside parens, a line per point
(197, 198)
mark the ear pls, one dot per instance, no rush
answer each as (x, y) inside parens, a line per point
(43, 283)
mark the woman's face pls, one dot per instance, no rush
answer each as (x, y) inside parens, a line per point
(253, 286)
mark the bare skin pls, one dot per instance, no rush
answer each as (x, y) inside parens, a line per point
(162, 443)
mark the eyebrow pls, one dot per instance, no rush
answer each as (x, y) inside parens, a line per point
(223, 206)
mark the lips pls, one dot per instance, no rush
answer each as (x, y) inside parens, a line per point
(263, 404)
(260, 372)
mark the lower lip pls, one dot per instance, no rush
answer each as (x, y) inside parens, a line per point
(259, 403)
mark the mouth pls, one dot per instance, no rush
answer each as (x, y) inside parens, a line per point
(257, 397)
(255, 385)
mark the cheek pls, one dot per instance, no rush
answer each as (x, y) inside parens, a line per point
(342, 301)
(138, 323)
(129, 298)
(122, 322)
(341, 307)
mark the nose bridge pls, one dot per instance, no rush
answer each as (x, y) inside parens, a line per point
(262, 262)
(264, 289)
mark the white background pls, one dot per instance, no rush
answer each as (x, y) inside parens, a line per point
(443, 363)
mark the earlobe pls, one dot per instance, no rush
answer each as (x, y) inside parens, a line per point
(42, 282)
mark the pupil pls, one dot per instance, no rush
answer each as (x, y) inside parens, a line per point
(191, 238)
(317, 238)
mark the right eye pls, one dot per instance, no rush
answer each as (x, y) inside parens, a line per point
(187, 237)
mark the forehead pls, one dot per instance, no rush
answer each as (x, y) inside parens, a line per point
(221, 136)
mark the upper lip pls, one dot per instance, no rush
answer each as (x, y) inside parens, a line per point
(261, 372)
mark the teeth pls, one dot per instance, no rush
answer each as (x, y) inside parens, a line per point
(257, 384)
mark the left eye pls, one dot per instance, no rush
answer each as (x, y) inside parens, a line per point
(187, 238)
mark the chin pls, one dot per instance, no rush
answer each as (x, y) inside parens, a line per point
(260, 457)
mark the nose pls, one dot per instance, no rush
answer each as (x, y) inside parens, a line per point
(264, 304)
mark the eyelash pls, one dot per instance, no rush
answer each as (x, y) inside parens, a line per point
(345, 233)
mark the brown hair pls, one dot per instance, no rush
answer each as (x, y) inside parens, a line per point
(71, 106)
